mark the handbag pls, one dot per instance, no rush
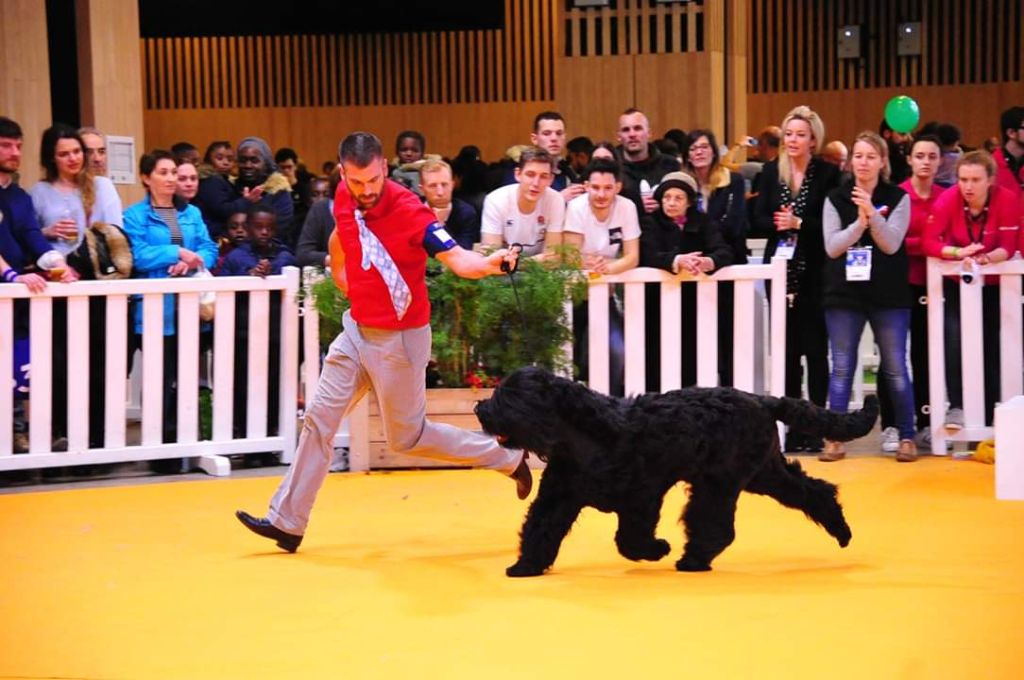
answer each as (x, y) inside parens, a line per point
(208, 299)
(105, 253)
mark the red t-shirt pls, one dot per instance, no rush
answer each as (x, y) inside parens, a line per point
(948, 227)
(400, 221)
(920, 210)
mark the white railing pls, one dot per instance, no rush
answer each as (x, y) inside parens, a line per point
(753, 350)
(150, 446)
(749, 347)
(972, 352)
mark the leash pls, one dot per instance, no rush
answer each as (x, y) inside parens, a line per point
(517, 248)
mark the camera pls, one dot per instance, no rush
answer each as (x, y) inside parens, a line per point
(970, 272)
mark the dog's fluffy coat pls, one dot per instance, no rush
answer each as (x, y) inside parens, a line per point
(623, 455)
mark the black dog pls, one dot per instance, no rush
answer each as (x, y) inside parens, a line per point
(623, 455)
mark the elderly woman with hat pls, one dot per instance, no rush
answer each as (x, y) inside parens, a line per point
(681, 239)
(258, 181)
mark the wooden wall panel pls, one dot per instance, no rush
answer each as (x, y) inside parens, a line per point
(110, 73)
(25, 77)
(964, 42)
(314, 132)
(975, 108)
(592, 92)
(673, 90)
(359, 70)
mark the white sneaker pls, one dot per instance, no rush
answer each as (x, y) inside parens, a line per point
(890, 440)
(954, 419)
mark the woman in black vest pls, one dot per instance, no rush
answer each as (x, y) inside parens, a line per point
(788, 213)
(865, 279)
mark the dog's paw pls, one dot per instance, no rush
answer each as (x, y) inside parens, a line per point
(523, 569)
(688, 563)
(652, 551)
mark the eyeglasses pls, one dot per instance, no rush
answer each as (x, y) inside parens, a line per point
(700, 147)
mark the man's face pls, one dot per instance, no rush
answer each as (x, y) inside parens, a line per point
(365, 184)
(95, 153)
(534, 178)
(602, 189)
(550, 136)
(320, 188)
(251, 168)
(10, 154)
(634, 132)
(287, 168)
(437, 187)
(261, 228)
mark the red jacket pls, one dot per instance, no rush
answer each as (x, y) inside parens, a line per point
(947, 226)
(920, 210)
(400, 221)
(1004, 175)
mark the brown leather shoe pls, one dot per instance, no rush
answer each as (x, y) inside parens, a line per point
(833, 451)
(907, 452)
(523, 478)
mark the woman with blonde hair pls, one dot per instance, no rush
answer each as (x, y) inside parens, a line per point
(866, 280)
(788, 213)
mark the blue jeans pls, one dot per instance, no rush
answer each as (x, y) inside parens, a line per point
(890, 327)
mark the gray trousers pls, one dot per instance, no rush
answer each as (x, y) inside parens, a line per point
(394, 364)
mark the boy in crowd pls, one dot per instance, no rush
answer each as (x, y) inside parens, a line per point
(261, 255)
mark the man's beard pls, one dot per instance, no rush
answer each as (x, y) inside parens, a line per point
(367, 204)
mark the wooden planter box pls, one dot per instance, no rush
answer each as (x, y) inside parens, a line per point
(367, 447)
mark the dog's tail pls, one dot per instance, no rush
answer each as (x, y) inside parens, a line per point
(815, 421)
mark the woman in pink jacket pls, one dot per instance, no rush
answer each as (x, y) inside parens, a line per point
(975, 221)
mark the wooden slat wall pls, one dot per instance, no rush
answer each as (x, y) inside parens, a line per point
(969, 71)
(357, 70)
(964, 42)
(630, 27)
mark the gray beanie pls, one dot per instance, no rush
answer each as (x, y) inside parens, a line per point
(263, 149)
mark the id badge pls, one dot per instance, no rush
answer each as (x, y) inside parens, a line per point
(786, 247)
(858, 264)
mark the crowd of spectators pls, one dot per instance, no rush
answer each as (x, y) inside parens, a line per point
(854, 221)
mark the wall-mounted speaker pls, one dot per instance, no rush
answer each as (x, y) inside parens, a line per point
(908, 42)
(848, 42)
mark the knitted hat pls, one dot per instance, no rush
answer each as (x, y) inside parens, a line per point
(677, 180)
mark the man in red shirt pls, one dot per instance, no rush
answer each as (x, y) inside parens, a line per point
(385, 234)
(1010, 156)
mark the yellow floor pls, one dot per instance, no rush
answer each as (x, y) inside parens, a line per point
(402, 576)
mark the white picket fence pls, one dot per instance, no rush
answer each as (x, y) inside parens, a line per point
(149, 446)
(752, 350)
(972, 351)
(758, 357)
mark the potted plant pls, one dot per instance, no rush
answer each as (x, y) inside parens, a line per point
(482, 329)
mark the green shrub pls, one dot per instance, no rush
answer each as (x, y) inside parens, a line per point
(480, 332)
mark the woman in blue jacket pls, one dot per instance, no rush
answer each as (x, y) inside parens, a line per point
(168, 238)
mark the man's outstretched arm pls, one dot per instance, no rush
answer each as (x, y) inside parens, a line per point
(472, 265)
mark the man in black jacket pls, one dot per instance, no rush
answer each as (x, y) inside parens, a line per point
(643, 165)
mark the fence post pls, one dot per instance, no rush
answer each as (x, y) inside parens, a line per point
(1009, 428)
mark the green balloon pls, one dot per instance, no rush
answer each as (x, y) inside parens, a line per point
(902, 114)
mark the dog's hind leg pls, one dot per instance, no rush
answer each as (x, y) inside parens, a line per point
(709, 519)
(548, 521)
(786, 482)
(635, 537)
